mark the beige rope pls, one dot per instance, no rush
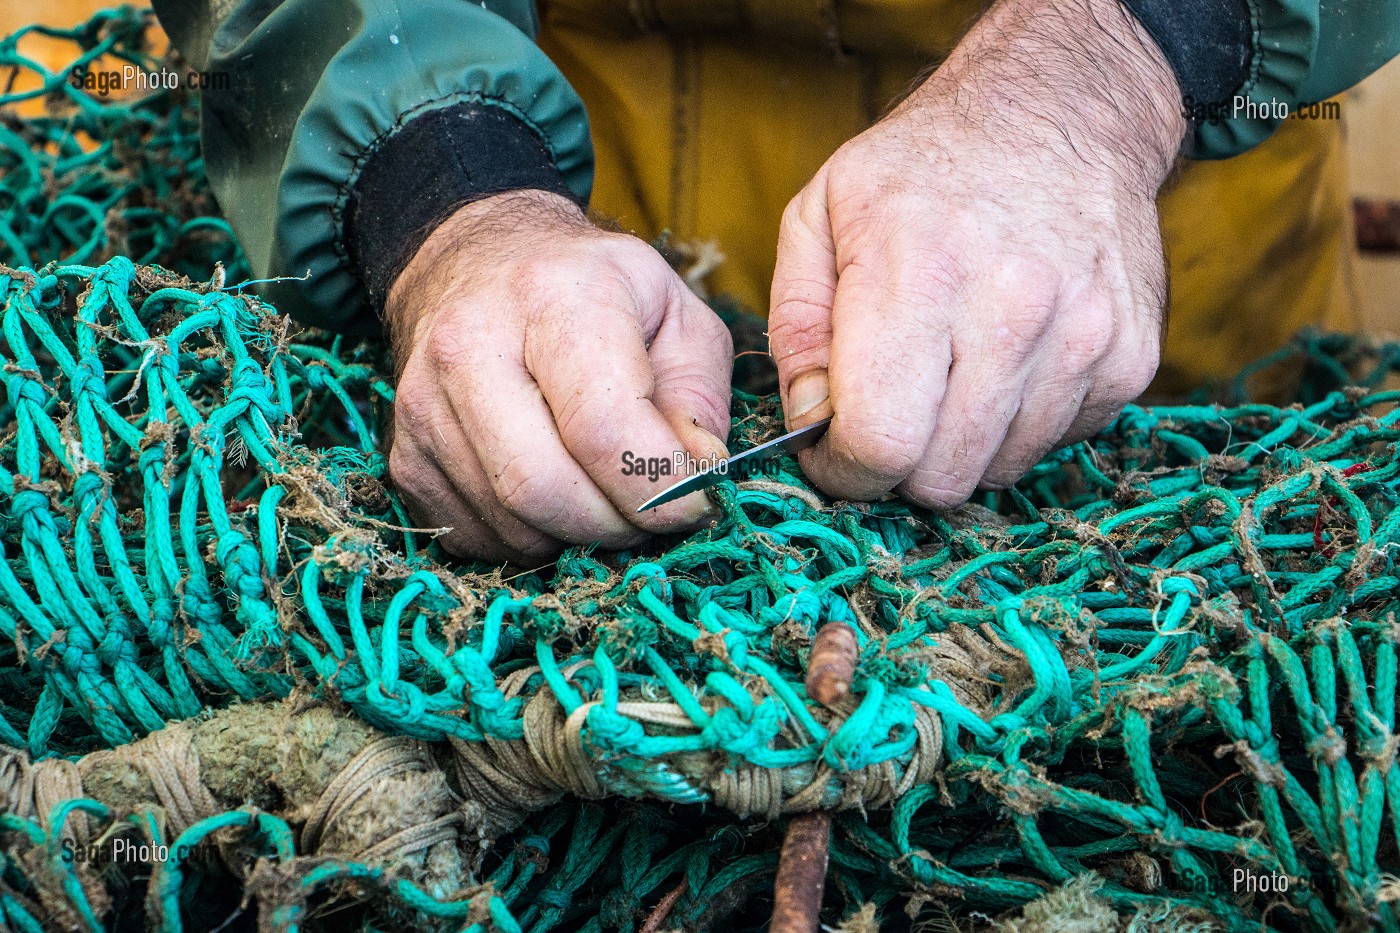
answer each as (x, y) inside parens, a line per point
(349, 790)
(383, 759)
(33, 790)
(169, 761)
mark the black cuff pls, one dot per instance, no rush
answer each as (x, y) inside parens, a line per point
(420, 174)
(1207, 43)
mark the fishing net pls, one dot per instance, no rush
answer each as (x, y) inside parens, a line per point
(1153, 687)
(86, 175)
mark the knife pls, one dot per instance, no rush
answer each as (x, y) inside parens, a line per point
(741, 465)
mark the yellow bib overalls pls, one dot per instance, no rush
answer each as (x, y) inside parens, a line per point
(709, 115)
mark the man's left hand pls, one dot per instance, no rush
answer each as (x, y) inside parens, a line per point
(978, 278)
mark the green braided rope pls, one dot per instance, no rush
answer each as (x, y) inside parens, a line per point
(93, 178)
(1194, 576)
(193, 510)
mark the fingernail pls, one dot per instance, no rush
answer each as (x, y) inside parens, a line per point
(698, 442)
(699, 510)
(806, 392)
(710, 447)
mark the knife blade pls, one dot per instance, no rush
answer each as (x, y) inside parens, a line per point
(741, 465)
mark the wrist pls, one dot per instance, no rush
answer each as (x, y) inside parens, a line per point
(468, 241)
(1079, 76)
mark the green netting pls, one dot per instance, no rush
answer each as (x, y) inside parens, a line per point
(1167, 656)
(94, 177)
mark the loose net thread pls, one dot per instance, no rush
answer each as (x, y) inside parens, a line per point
(1168, 654)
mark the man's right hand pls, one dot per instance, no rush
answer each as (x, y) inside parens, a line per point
(535, 350)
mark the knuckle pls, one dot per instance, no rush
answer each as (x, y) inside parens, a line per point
(447, 348)
(886, 448)
(406, 471)
(1093, 420)
(633, 252)
(415, 401)
(1091, 335)
(851, 182)
(937, 490)
(717, 332)
(472, 539)
(546, 283)
(701, 329)
(798, 326)
(709, 405)
(613, 538)
(1024, 317)
(1004, 476)
(800, 215)
(528, 490)
(792, 215)
(590, 432)
(1128, 378)
(940, 270)
(539, 272)
(530, 545)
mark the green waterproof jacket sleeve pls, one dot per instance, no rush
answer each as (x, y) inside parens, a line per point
(1245, 65)
(323, 92)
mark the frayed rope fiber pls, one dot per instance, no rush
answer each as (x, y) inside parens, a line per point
(1163, 662)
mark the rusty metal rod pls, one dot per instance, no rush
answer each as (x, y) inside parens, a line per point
(797, 891)
(662, 911)
(832, 664)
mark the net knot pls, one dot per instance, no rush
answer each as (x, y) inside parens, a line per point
(248, 383)
(88, 377)
(115, 274)
(803, 606)
(115, 648)
(242, 564)
(20, 388)
(30, 500)
(608, 730)
(733, 734)
(76, 659)
(406, 704)
(655, 576)
(89, 483)
(555, 899)
(1169, 826)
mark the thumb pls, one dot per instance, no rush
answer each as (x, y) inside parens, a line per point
(799, 322)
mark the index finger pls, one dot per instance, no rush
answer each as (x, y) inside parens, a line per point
(597, 379)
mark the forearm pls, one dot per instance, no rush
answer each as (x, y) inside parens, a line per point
(1086, 69)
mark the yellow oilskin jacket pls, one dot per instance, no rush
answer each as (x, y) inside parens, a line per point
(709, 115)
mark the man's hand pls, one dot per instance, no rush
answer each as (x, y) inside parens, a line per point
(535, 350)
(979, 278)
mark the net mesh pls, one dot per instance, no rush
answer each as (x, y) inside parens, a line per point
(1143, 686)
